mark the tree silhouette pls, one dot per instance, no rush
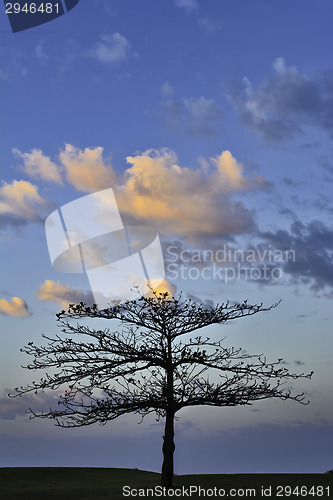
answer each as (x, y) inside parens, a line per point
(151, 365)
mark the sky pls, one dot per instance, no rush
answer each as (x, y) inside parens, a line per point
(212, 122)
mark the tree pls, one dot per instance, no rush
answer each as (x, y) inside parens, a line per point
(151, 365)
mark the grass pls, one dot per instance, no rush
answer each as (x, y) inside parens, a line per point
(64, 483)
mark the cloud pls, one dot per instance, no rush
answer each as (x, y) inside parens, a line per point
(111, 49)
(285, 103)
(231, 171)
(312, 244)
(179, 200)
(188, 5)
(20, 202)
(4, 76)
(14, 65)
(167, 90)
(17, 308)
(37, 165)
(325, 163)
(190, 203)
(209, 25)
(10, 408)
(195, 116)
(85, 169)
(203, 112)
(289, 182)
(54, 291)
(218, 259)
(40, 53)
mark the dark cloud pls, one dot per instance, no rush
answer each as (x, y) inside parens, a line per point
(324, 162)
(289, 182)
(303, 253)
(196, 116)
(287, 212)
(224, 261)
(17, 222)
(313, 247)
(324, 203)
(14, 221)
(284, 104)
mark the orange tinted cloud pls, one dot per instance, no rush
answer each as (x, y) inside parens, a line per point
(17, 308)
(190, 203)
(155, 189)
(85, 169)
(55, 291)
(230, 172)
(21, 199)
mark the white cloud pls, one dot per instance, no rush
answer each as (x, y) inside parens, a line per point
(166, 90)
(210, 25)
(280, 67)
(37, 165)
(39, 52)
(188, 5)
(4, 75)
(16, 307)
(111, 49)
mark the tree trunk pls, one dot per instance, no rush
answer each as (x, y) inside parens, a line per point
(168, 449)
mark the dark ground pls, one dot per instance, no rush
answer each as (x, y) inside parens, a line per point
(57, 483)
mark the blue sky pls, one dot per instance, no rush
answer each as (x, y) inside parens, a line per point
(212, 122)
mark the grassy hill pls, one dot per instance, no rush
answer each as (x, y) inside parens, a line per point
(57, 483)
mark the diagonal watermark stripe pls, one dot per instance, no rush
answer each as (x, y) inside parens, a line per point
(87, 235)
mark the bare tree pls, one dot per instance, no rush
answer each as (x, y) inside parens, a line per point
(151, 365)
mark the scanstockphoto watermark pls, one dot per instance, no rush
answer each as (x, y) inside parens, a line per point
(227, 264)
(189, 491)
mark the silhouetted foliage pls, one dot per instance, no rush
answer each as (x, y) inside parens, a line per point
(151, 364)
